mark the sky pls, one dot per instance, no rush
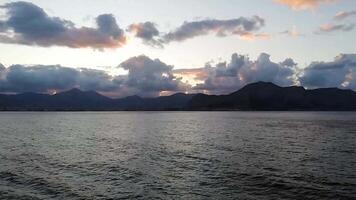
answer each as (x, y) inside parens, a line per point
(159, 47)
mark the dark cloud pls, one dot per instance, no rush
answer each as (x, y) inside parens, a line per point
(150, 77)
(18, 78)
(28, 24)
(98, 80)
(244, 27)
(32, 22)
(145, 77)
(107, 24)
(241, 26)
(148, 32)
(289, 62)
(344, 15)
(44, 78)
(338, 73)
(32, 26)
(228, 77)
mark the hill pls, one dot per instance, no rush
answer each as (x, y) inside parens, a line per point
(268, 96)
(256, 96)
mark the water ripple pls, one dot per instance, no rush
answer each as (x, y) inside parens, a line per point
(178, 155)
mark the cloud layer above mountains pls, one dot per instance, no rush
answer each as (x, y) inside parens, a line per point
(27, 24)
(145, 77)
(241, 70)
(152, 77)
(338, 73)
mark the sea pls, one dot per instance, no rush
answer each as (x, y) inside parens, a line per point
(177, 155)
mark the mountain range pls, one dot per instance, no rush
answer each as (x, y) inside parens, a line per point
(256, 96)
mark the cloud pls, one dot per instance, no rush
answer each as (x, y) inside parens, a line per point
(241, 26)
(45, 78)
(344, 15)
(338, 73)
(245, 28)
(257, 36)
(29, 24)
(303, 4)
(333, 27)
(145, 77)
(195, 73)
(152, 77)
(292, 33)
(228, 77)
(146, 31)
(149, 77)
(98, 80)
(3, 26)
(327, 28)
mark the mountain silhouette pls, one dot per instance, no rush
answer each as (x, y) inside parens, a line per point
(268, 96)
(255, 96)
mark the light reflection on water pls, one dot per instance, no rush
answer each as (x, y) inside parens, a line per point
(178, 155)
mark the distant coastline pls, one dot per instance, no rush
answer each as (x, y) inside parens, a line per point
(259, 96)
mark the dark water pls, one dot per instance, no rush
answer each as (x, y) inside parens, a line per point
(178, 155)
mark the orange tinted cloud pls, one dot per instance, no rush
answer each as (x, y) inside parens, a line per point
(304, 4)
(325, 28)
(192, 76)
(252, 37)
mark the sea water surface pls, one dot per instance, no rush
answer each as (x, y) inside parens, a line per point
(178, 155)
